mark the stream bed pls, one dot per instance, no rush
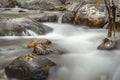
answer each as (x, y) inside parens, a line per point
(82, 62)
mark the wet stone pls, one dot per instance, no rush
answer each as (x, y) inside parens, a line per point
(68, 17)
(109, 44)
(45, 47)
(29, 68)
(22, 27)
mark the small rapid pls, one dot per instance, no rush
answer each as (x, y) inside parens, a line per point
(82, 62)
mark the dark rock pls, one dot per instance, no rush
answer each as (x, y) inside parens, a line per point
(22, 27)
(39, 74)
(91, 15)
(68, 17)
(29, 67)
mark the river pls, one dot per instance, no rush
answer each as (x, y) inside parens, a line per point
(83, 62)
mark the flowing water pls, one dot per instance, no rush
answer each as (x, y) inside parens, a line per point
(83, 62)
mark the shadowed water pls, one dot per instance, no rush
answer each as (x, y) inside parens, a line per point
(83, 62)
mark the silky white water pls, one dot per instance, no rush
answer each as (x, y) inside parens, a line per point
(83, 62)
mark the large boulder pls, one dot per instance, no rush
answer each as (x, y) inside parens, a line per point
(91, 15)
(22, 27)
(29, 67)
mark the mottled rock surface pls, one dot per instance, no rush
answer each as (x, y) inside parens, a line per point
(91, 15)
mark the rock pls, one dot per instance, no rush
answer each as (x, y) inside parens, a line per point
(46, 18)
(22, 27)
(29, 67)
(45, 47)
(39, 74)
(9, 3)
(91, 15)
(57, 5)
(107, 44)
(39, 5)
(74, 7)
(68, 17)
(39, 41)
